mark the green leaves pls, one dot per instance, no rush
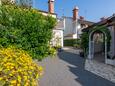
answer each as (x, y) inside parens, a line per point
(85, 36)
(26, 29)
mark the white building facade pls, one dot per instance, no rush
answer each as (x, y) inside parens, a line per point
(74, 25)
(57, 39)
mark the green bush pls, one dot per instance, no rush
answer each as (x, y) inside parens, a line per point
(85, 37)
(26, 29)
(17, 68)
(72, 42)
(52, 51)
(84, 40)
(69, 42)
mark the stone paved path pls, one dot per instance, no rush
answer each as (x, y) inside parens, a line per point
(101, 69)
(67, 69)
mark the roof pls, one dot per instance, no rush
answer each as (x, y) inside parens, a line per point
(82, 21)
(108, 22)
(60, 24)
(85, 22)
(47, 12)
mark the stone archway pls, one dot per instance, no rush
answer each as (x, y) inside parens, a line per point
(91, 44)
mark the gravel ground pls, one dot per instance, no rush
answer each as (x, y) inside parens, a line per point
(67, 69)
(101, 69)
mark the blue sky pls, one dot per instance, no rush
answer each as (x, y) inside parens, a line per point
(92, 10)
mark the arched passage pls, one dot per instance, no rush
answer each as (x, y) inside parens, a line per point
(97, 35)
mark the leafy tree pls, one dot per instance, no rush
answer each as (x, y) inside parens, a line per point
(27, 29)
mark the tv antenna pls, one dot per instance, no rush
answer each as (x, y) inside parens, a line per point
(62, 10)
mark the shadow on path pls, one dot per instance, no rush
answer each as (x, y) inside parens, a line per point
(84, 77)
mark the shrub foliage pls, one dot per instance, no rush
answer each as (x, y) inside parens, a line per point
(85, 37)
(71, 42)
(17, 68)
(27, 29)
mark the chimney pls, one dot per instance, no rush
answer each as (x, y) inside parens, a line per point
(51, 6)
(81, 18)
(75, 13)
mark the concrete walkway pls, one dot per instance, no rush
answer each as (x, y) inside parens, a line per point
(67, 69)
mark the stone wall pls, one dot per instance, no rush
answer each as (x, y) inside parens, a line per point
(112, 47)
(98, 47)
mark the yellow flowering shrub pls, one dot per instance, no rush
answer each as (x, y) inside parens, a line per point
(52, 51)
(17, 68)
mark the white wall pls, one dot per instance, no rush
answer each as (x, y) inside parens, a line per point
(114, 40)
(112, 47)
(77, 29)
(57, 37)
(72, 27)
(75, 36)
(68, 26)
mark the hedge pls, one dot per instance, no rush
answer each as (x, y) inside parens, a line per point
(26, 28)
(72, 42)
